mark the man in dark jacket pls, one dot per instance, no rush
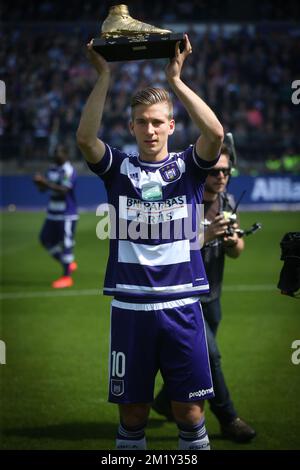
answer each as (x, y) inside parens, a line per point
(220, 240)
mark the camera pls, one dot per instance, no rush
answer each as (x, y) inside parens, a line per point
(231, 218)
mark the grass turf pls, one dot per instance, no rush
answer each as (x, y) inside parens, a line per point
(54, 383)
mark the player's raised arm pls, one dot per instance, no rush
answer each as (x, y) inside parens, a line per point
(209, 143)
(91, 146)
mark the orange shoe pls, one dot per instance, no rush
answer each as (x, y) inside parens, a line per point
(62, 282)
(73, 266)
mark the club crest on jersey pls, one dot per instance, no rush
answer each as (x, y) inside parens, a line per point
(170, 172)
(117, 387)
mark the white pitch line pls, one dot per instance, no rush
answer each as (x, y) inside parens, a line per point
(94, 292)
(250, 288)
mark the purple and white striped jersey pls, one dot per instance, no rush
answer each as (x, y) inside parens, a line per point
(154, 253)
(62, 206)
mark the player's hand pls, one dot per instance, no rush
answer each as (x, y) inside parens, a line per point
(216, 229)
(229, 241)
(98, 62)
(40, 180)
(173, 69)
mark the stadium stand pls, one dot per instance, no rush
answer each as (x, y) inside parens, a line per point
(250, 67)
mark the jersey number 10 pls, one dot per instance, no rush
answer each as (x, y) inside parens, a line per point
(118, 364)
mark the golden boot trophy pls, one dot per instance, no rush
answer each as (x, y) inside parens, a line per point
(120, 23)
(125, 38)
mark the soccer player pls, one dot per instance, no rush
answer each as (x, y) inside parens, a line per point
(58, 232)
(218, 243)
(156, 318)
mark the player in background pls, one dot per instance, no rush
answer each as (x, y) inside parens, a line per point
(156, 319)
(218, 244)
(58, 232)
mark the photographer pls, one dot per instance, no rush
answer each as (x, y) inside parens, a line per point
(219, 240)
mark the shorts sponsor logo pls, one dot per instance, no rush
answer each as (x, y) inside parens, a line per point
(199, 446)
(128, 446)
(201, 393)
(117, 387)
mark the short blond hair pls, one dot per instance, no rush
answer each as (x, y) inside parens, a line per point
(151, 95)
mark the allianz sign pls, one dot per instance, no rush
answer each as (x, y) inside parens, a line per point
(275, 189)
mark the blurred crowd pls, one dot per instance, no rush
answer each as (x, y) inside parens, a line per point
(245, 75)
(167, 10)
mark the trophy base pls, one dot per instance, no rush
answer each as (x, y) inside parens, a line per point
(139, 47)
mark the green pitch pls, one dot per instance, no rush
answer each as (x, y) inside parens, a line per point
(54, 382)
